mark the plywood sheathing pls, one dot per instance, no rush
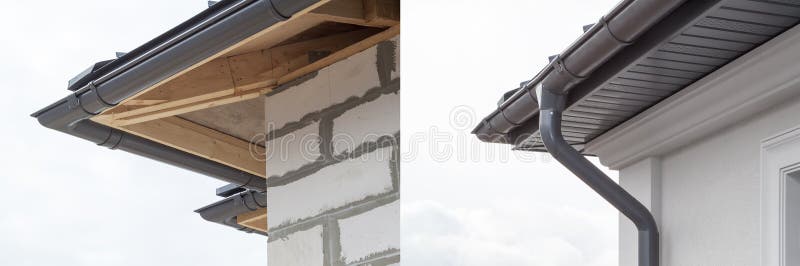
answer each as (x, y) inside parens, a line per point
(243, 120)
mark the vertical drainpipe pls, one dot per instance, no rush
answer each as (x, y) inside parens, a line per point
(551, 106)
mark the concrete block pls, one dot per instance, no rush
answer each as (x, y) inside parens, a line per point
(294, 102)
(302, 248)
(293, 150)
(353, 76)
(331, 187)
(371, 232)
(366, 122)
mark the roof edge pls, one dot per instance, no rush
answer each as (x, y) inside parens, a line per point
(201, 37)
(226, 211)
(616, 30)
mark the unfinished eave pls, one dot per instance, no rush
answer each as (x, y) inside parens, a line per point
(316, 37)
(169, 99)
(612, 84)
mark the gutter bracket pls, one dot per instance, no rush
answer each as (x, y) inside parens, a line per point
(551, 105)
(93, 88)
(560, 67)
(89, 99)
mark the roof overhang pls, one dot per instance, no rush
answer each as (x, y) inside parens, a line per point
(762, 79)
(170, 99)
(316, 37)
(612, 84)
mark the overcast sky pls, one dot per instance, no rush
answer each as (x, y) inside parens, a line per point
(64, 201)
(458, 57)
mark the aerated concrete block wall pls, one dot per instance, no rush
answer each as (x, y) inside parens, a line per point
(333, 164)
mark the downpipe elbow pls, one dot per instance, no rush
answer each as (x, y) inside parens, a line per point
(551, 106)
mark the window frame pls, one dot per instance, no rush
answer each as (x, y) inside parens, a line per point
(780, 158)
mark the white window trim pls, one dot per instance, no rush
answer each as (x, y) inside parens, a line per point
(780, 156)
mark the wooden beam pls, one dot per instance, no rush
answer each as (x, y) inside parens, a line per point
(342, 11)
(341, 54)
(202, 141)
(369, 13)
(291, 57)
(382, 12)
(256, 220)
(191, 107)
(143, 102)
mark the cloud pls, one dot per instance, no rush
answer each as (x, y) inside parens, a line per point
(490, 211)
(510, 234)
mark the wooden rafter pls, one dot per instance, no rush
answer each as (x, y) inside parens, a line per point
(369, 13)
(143, 102)
(382, 12)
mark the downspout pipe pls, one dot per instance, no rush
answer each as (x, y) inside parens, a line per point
(552, 103)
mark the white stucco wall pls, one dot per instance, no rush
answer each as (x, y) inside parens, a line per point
(708, 205)
(701, 160)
